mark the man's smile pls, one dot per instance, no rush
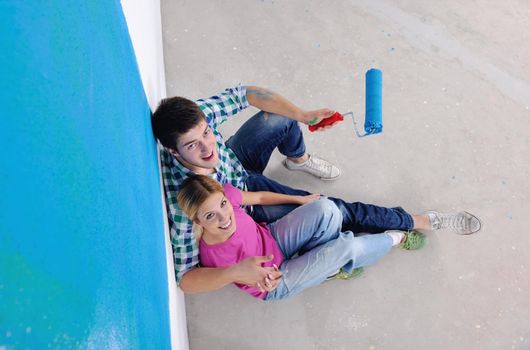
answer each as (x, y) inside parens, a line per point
(208, 157)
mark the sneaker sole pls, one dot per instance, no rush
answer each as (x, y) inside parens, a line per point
(284, 162)
(479, 225)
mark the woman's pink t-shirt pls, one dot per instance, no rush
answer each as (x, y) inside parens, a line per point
(249, 239)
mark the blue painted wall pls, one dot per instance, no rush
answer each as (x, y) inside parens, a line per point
(82, 255)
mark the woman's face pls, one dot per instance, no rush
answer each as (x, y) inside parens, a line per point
(216, 216)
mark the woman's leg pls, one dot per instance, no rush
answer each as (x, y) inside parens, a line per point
(306, 227)
(313, 267)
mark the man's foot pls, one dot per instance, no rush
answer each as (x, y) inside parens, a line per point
(344, 275)
(315, 166)
(463, 223)
(413, 241)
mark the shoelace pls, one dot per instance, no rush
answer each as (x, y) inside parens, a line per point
(317, 164)
(456, 222)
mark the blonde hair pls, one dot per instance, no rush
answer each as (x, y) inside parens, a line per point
(193, 193)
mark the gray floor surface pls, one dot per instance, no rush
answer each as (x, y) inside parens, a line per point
(456, 136)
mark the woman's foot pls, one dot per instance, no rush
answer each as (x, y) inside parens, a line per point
(344, 275)
(407, 240)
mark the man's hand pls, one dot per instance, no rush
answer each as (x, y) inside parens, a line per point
(250, 272)
(314, 117)
(269, 101)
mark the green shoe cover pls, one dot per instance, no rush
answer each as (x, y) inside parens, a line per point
(344, 275)
(415, 240)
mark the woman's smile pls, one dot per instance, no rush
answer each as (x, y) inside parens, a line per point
(227, 224)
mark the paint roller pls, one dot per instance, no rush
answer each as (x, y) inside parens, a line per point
(373, 119)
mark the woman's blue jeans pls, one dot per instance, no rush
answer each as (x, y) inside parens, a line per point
(254, 143)
(314, 247)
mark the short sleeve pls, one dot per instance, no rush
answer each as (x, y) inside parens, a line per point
(223, 105)
(233, 195)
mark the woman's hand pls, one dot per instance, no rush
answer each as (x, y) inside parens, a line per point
(307, 199)
(250, 272)
(269, 283)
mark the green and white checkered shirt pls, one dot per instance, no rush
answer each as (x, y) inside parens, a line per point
(217, 109)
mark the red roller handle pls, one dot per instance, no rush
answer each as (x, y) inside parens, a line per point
(327, 121)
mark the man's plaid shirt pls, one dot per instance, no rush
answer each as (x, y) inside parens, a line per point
(217, 109)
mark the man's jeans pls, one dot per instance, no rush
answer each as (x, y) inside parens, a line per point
(314, 247)
(254, 143)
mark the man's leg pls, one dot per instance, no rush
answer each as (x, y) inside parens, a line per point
(270, 213)
(357, 217)
(257, 138)
(254, 143)
(367, 218)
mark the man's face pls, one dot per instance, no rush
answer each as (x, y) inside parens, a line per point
(197, 149)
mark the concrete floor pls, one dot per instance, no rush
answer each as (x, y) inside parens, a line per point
(456, 136)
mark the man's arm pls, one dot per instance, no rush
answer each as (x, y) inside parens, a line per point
(248, 271)
(219, 107)
(205, 279)
(271, 102)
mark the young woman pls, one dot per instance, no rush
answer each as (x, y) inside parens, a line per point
(307, 244)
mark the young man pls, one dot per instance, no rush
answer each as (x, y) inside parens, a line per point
(192, 144)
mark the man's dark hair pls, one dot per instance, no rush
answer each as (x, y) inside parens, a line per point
(174, 117)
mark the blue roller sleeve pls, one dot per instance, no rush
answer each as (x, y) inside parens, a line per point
(373, 122)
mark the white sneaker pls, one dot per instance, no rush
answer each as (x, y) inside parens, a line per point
(463, 223)
(315, 166)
